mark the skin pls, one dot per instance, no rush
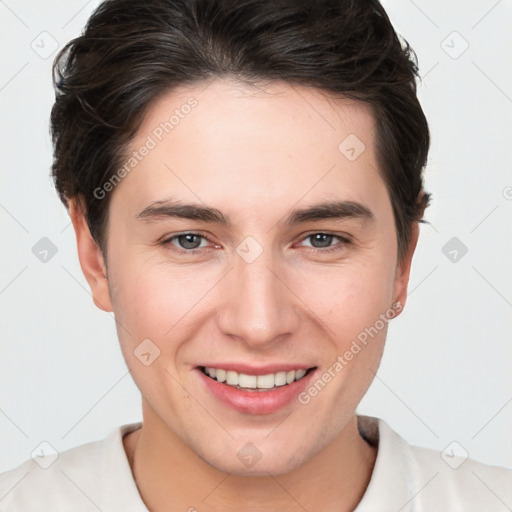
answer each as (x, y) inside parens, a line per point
(255, 154)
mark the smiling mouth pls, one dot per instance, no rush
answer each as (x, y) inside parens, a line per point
(247, 382)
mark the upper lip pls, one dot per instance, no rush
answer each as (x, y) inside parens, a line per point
(257, 370)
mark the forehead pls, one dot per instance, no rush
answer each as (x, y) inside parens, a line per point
(263, 146)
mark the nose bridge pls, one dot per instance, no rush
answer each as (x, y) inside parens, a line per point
(258, 308)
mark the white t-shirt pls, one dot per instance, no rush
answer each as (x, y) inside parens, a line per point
(97, 477)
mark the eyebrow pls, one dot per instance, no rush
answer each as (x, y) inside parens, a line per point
(327, 210)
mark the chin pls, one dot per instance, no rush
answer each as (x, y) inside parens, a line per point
(260, 469)
(251, 461)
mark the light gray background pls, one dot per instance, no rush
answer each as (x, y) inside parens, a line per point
(446, 373)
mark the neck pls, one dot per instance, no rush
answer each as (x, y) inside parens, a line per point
(170, 476)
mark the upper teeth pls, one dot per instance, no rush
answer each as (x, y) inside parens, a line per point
(255, 381)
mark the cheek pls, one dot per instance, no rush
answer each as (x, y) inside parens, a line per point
(347, 299)
(155, 299)
(150, 299)
(154, 302)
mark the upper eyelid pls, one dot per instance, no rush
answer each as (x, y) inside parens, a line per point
(168, 239)
(345, 238)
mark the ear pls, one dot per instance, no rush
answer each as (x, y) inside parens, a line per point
(403, 269)
(91, 258)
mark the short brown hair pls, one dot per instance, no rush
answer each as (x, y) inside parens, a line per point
(133, 51)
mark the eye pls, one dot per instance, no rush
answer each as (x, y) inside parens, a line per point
(189, 243)
(185, 242)
(322, 242)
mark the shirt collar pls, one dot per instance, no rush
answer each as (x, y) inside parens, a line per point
(389, 487)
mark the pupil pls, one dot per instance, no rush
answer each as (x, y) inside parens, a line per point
(327, 239)
(185, 241)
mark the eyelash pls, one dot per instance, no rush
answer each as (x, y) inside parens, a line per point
(344, 241)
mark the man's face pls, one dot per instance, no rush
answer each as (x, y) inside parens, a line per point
(257, 294)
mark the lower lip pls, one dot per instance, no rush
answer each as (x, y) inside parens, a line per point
(256, 402)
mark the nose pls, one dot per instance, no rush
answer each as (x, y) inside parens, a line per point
(258, 306)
